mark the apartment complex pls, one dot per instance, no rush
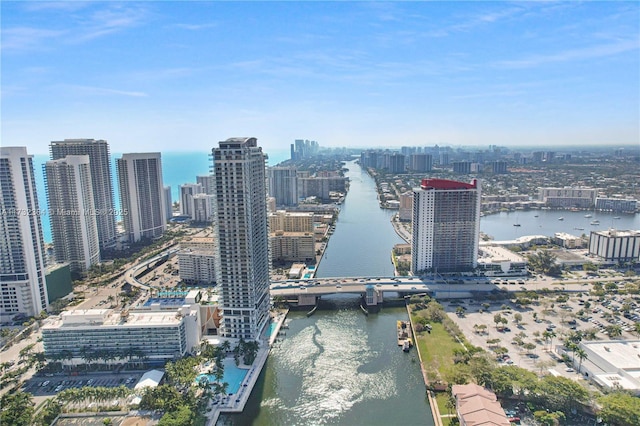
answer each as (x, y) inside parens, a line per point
(71, 209)
(187, 192)
(283, 185)
(291, 221)
(22, 256)
(568, 197)
(101, 182)
(446, 226)
(196, 261)
(618, 205)
(142, 195)
(157, 335)
(240, 214)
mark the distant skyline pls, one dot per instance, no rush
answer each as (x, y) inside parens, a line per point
(182, 76)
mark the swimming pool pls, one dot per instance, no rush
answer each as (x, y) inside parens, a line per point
(271, 329)
(232, 375)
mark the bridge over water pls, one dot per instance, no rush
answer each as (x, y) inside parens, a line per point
(307, 291)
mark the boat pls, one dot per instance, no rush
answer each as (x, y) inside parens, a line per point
(579, 229)
(404, 335)
(587, 215)
(595, 222)
(616, 217)
(535, 215)
(516, 224)
(561, 218)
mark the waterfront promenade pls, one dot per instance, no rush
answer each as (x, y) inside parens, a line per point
(236, 403)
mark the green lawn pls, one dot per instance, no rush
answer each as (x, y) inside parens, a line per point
(436, 349)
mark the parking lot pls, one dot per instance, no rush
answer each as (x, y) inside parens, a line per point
(52, 384)
(527, 340)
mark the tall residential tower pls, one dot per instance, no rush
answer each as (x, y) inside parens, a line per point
(142, 195)
(446, 226)
(242, 238)
(22, 263)
(71, 210)
(101, 182)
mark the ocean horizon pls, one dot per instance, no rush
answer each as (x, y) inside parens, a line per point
(178, 168)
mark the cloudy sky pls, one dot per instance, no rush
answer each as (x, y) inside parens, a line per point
(170, 76)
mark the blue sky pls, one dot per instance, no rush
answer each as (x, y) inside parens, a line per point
(169, 76)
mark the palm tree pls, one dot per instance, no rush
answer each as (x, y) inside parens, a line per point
(551, 335)
(582, 355)
(614, 330)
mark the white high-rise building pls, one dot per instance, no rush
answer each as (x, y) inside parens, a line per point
(22, 259)
(100, 165)
(240, 217)
(187, 192)
(207, 183)
(283, 185)
(202, 208)
(168, 204)
(142, 195)
(72, 213)
(446, 226)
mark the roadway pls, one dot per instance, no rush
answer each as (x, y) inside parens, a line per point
(408, 285)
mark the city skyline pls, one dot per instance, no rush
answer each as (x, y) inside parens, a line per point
(157, 75)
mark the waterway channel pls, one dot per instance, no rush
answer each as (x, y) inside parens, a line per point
(340, 367)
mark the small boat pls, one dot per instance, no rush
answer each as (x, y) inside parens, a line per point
(406, 346)
(616, 217)
(595, 222)
(587, 215)
(579, 229)
(516, 224)
(535, 215)
(561, 218)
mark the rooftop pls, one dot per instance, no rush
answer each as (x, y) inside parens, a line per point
(443, 184)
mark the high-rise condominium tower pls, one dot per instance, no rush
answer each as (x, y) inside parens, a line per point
(446, 226)
(100, 166)
(240, 217)
(22, 263)
(283, 185)
(187, 192)
(72, 212)
(141, 195)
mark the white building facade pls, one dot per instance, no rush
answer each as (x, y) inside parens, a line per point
(72, 212)
(101, 182)
(446, 226)
(240, 215)
(142, 195)
(614, 245)
(22, 260)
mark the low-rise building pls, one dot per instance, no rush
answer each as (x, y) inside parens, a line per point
(292, 246)
(568, 197)
(617, 205)
(614, 245)
(153, 335)
(499, 261)
(476, 405)
(611, 364)
(569, 241)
